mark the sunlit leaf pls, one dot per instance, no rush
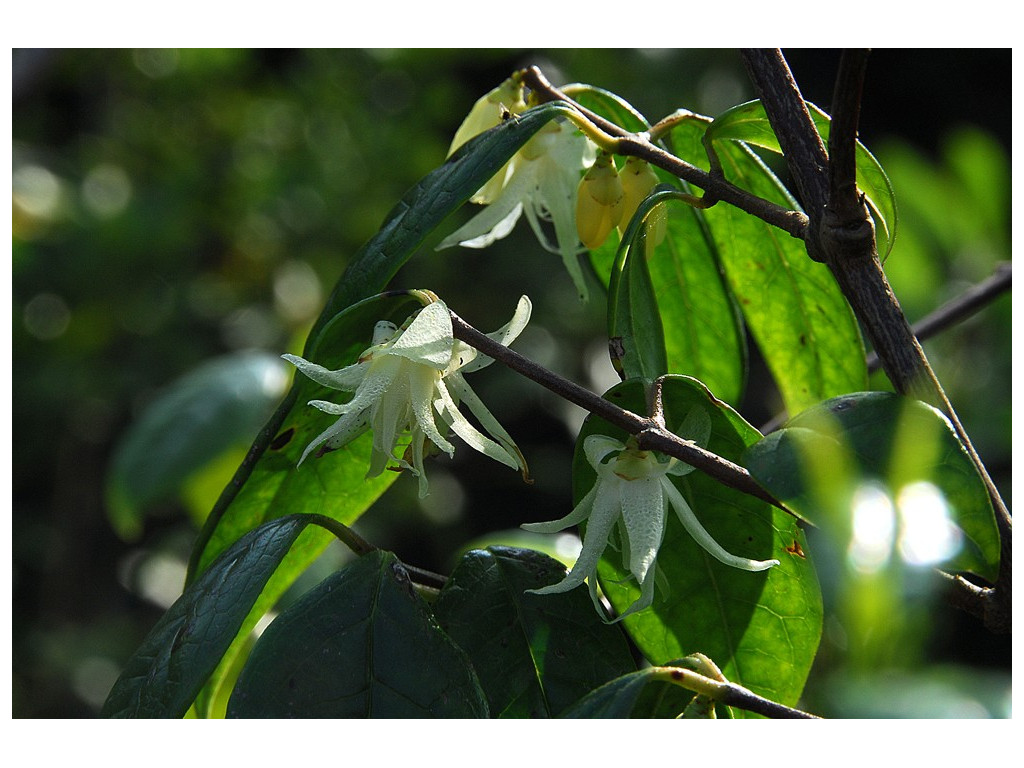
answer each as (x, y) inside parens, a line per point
(608, 105)
(903, 453)
(796, 313)
(182, 650)
(361, 644)
(700, 327)
(534, 654)
(204, 414)
(763, 628)
(748, 123)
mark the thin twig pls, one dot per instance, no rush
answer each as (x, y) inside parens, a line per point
(974, 299)
(650, 434)
(727, 693)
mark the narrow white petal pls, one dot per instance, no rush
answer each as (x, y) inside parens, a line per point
(504, 335)
(424, 384)
(469, 434)
(580, 513)
(497, 219)
(332, 408)
(346, 379)
(702, 537)
(644, 601)
(343, 431)
(465, 393)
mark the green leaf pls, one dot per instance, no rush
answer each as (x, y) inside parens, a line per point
(638, 694)
(826, 459)
(636, 338)
(534, 654)
(796, 313)
(164, 675)
(762, 629)
(749, 123)
(361, 644)
(206, 413)
(700, 325)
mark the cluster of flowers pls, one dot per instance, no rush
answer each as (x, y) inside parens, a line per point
(542, 181)
(408, 385)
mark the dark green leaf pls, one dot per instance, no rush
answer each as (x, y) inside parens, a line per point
(182, 650)
(534, 654)
(762, 629)
(796, 313)
(638, 694)
(218, 406)
(361, 644)
(749, 123)
(828, 454)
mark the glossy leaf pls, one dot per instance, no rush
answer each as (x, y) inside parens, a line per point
(763, 628)
(361, 644)
(749, 123)
(636, 338)
(167, 671)
(877, 441)
(638, 694)
(206, 413)
(534, 654)
(796, 313)
(700, 326)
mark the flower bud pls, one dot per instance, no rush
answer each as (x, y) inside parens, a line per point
(638, 180)
(489, 111)
(600, 202)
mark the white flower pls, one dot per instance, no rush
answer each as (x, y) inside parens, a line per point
(403, 380)
(633, 489)
(542, 184)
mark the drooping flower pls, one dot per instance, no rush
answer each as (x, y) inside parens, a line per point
(542, 184)
(633, 490)
(408, 378)
(489, 111)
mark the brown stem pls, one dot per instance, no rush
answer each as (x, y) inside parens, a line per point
(841, 235)
(650, 434)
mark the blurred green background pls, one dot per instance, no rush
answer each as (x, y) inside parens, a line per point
(177, 210)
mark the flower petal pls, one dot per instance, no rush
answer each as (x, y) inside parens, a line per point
(428, 339)
(597, 447)
(643, 511)
(457, 385)
(346, 379)
(606, 509)
(504, 336)
(580, 513)
(469, 434)
(702, 537)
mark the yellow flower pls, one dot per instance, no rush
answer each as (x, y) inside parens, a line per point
(600, 202)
